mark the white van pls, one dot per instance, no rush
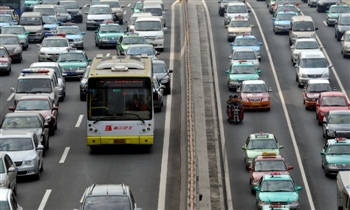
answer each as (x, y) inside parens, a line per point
(151, 28)
(301, 27)
(134, 16)
(37, 81)
(156, 8)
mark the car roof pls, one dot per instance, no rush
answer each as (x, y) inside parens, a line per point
(276, 176)
(30, 14)
(72, 26)
(319, 81)
(261, 135)
(100, 5)
(311, 54)
(302, 18)
(339, 141)
(253, 82)
(139, 14)
(243, 49)
(145, 18)
(15, 133)
(44, 64)
(343, 112)
(305, 39)
(332, 93)
(21, 114)
(44, 6)
(108, 189)
(236, 3)
(7, 35)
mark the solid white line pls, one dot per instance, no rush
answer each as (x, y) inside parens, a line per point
(64, 155)
(79, 121)
(295, 145)
(220, 119)
(129, 5)
(44, 200)
(165, 152)
(10, 97)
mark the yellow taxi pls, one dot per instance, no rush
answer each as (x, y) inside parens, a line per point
(254, 94)
(238, 26)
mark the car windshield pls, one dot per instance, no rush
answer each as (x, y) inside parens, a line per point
(246, 42)
(49, 19)
(270, 165)
(9, 40)
(50, 1)
(20, 122)
(134, 40)
(45, 11)
(319, 88)
(69, 5)
(30, 21)
(281, 17)
(306, 45)
(334, 101)
(112, 4)
(70, 30)
(314, 63)
(159, 68)
(339, 10)
(291, 8)
(71, 57)
(244, 56)
(3, 53)
(4, 205)
(254, 88)
(262, 144)
(239, 23)
(108, 202)
(93, 2)
(347, 37)
(344, 21)
(5, 19)
(303, 26)
(111, 29)
(237, 9)
(32, 105)
(243, 70)
(99, 10)
(277, 186)
(339, 119)
(34, 86)
(154, 11)
(54, 43)
(338, 149)
(16, 144)
(148, 26)
(140, 50)
(12, 30)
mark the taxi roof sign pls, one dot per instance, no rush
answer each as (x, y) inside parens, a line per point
(261, 134)
(340, 139)
(275, 173)
(269, 154)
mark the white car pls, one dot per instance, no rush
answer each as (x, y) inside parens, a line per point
(51, 47)
(98, 14)
(8, 200)
(303, 44)
(245, 54)
(8, 172)
(235, 9)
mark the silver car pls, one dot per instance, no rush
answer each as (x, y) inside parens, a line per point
(161, 71)
(97, 14)
(8, 198)
(157, 95)
(245, 54)
(25, 150)
(304, 44)
(8, 172)
(13, 45)
(58, 72)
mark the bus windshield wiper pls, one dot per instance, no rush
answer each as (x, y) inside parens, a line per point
(138, 116)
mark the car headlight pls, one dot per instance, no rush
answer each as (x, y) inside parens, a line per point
(261, 202)
(159, 37)
(347, 47)
(78, 39)
(326, 74)
(23, 39)
(17, 50)
(332, 165)
(265, 99)
(104, 39)
(245, 99)
(81, 68)
(295, 202)
(69, 17)
(29, 162)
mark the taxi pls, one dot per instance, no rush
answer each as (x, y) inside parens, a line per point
(238, 26)
(258, 143)
(247, 41)
(137, 7)
(335, 156)
(19, 31)
(286, 7)
(331, 100)
(74, 35)
(50, 24)
(128, 39)
(52, 46)
(240, 71)
(279, 189)
(7, 20)
(244, 54)
(255, 95)
(73, 63)
(303, 44)
(107, 35)
(334, 11)
(312, 90)
(345, 44)
(264, 165)
(5, 60)
(281, 23)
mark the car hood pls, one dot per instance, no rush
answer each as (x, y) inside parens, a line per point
(315, 70)
(256, 152)
(333, 15)
(4, 59)
(304, 34)
(19, 156)
(33, 28)
(254, 95)
(5, 24)
(258, 175)
(99, 17)
(72, 64)
(44, 113)
(278, 196)
(240, 29)
(11, 47)
(241, 77)
(54, 50)
(338, 159)
(73, 36)
(255, 61)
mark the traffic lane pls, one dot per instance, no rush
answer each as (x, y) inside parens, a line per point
(332, 46)
(254, 121)
(304, 124)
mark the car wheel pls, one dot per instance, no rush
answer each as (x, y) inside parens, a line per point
(316, 116)
(304, 103)
(38, 175)
(48, 142)
(56, 124)
(121, 22)
(52, 132)
(99, 45)
(82, 97)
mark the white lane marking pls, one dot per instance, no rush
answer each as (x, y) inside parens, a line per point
(44, 200)
(124, 12)
(165, 152)
(295, 145)
(64, 155)
(219, 116)
(129, 5)
(10, 97)
(324, 22)
(79, 121)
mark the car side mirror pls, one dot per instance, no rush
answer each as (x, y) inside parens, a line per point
(55, 108)
(299, 188)
(86, 13)
(157, 53)
(12, 90)
(170, 71)
(330, 65)
(229, 57)
(11, 108)
(11, 169)
(244, 147)
(228, 72)
(290, 168)
(256, 189)
(46, 125)
(269, 89)
(260, 43)
(281, 147)
(40, 147)
(316, 28)
(83, 33)
(259, 71)
(273, 18)
(89, 60)
(250, 168)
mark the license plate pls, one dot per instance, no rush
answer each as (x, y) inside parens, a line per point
(255, 104)
(71, 73)
(119, 141)
(112, 41)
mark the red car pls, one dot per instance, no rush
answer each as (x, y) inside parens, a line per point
(42, 104)
(265, 164)
(5, 60)
(333, 100)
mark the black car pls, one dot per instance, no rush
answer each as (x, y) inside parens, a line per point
(324, 5)
(336, 123)
(73, 9)
(341, 25)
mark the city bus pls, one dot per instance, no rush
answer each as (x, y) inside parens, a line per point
(120, 102)
(343, 190)
(17, 5)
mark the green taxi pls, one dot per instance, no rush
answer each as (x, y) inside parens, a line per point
(20, 31)
(277, 189)
(335, 156)
(73, 63)
(240, 71)
(334, 11)
(128, 39)
(259, 143)
(137, 7)
(108, 34)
